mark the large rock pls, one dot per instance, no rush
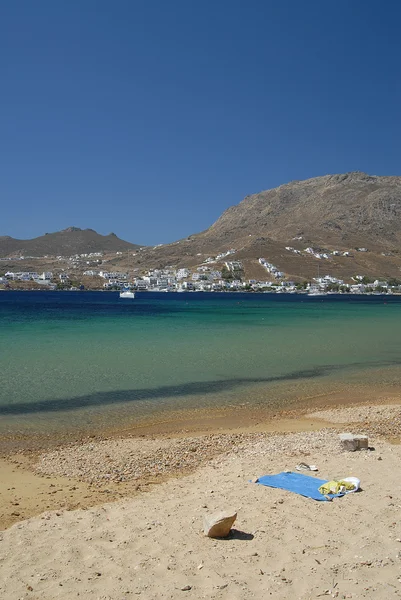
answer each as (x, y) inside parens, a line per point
(219, 524)
(351, 442)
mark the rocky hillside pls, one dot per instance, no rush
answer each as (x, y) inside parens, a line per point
(67, 242)
(354, 209)
(333, 212)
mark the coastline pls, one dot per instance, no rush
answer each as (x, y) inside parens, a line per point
(190, 442)
(286, 414)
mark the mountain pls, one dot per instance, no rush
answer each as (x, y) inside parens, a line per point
(333, 212)
(354, 209)
(67, 242)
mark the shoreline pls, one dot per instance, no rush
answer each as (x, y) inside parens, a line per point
(226, 291)
(27, 491)
(246, 417)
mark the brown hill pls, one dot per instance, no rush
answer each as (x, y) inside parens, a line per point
(333, 212)
(67, 242)
(354, 209)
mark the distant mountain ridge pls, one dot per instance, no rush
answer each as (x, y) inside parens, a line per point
(67, 242)
(335, 212)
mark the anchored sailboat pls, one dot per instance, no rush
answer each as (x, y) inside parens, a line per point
(126, 292)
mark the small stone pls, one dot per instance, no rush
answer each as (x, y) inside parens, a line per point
(219, 524)
(351, 442)
(186, 588)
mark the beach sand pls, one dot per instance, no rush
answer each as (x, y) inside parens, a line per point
(151, 545)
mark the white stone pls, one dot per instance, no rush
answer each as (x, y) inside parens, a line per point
(219, 524)
(351, 442)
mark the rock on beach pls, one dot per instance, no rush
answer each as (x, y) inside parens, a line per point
(219, 524)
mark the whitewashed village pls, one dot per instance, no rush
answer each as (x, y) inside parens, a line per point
(218, 273)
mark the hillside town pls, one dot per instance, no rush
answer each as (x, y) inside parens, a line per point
(215, 274)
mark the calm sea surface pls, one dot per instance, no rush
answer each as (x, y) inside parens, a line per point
(72, 360)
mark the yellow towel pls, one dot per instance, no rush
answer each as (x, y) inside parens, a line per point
(335, 487)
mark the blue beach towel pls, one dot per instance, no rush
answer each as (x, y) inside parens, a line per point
(298, 483)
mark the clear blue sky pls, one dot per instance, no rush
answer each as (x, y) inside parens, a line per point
(149, 118)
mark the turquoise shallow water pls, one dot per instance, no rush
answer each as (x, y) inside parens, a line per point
(76, 360)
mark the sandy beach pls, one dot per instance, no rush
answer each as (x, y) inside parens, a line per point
(120, 518)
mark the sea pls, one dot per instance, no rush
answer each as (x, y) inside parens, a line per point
(90, 361)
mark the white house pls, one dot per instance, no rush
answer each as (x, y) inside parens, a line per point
(150, 280)
(182, 273)
(46, 276)
(112, 275)
(141, 284)
(379, 283)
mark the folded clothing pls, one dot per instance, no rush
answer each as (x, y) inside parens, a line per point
(343, 486)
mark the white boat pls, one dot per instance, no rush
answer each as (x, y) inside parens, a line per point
(127, 294)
